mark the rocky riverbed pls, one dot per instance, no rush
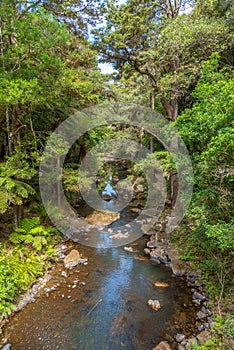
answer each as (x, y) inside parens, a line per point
(67, 282)
(161, 251)
(75, 279)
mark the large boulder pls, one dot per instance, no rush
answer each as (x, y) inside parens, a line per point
(163, 346)
(72, 259)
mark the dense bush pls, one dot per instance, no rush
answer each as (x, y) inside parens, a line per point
(22, 263)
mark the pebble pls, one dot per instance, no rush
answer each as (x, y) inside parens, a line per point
(69, 297)
(83, 283)
(179, 338)
(64, 274)
(201, 327)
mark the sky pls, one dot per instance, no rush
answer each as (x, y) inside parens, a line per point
(106, 68)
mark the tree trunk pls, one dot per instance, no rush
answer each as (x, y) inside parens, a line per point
(9, 134)
(58, 182)
(174, 187)
(172, 109)
(151, 136)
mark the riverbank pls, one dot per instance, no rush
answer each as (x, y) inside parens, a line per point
(61, 284)
(211, 330)
(124, 284)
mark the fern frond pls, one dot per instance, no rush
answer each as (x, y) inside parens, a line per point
(16, 238)
(28, 239)
(3, 200)
(38, 231)
(38, 242)
(28, 224)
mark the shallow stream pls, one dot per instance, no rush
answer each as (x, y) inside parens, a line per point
(103, 306)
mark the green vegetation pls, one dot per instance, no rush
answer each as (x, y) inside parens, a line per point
(24, 261)
(175, 57)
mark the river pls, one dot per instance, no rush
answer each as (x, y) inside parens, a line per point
(103, 306)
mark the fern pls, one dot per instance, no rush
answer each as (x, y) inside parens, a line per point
(39, 242)
(28, 239)
(28, 224)
(16, 238)
(31, 232)
(39, 230)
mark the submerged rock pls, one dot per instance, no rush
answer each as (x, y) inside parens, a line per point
(72, 259)
(163, 346)
(105, 217)
(147, 229)
(161, 284)
(154, 304)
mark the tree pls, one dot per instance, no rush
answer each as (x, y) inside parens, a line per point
(167, 47)
(45, 74)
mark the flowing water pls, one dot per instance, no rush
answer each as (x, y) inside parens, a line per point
(103, 306)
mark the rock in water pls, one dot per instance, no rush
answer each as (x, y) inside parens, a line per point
(6, 347)
(104, 217)
(163, 346)
(129, 249)
(154, 304)
(161, 284)
(72, 259)
(179, 338)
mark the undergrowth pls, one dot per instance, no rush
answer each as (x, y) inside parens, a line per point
(25, 258)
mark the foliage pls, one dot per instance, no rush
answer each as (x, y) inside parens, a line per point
(19, 269)
(223, 329)
(30, 232)
(13, 174)
(23, 263)
(162, 44)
